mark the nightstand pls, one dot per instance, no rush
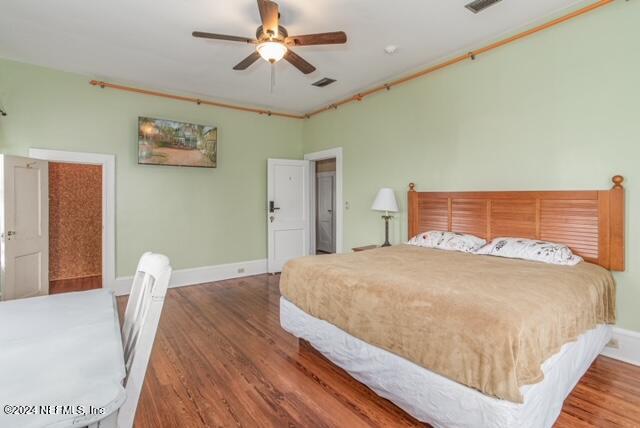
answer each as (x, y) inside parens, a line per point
(365, 248)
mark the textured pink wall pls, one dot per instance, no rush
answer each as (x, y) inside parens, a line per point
(75, 220)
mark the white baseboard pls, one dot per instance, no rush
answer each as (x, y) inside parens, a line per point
(199, 275)
(628, 346)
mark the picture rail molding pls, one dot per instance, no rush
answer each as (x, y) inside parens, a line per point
(198, 101)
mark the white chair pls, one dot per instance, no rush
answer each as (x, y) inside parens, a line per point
(139, 331)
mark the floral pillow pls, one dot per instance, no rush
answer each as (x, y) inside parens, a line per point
(451, 241)
(529, 249)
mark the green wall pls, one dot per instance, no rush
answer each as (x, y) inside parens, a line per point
(198, 217)
(559, 110)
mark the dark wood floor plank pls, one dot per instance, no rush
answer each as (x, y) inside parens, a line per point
(221, 359)
(75, 284)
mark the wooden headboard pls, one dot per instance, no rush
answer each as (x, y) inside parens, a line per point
(590, 222)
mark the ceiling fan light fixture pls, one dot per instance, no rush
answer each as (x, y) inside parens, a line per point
(272, 51)
(272, 40)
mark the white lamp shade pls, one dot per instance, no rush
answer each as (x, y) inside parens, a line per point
(385, 201)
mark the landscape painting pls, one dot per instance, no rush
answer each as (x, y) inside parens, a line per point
(167, 142)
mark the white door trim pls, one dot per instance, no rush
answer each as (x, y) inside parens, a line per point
(108, 163)
(316, 156)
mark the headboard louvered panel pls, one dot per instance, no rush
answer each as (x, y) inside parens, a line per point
(574, 223)
(513, 217)
(591, 223)
(469, 216)
(436, 214)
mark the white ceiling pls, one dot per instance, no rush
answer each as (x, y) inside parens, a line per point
(149, 43)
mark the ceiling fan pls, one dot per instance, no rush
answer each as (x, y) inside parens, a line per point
(273, 43)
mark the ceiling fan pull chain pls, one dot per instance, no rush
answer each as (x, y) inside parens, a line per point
(273, 77)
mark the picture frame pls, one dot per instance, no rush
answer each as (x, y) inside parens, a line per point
(174, 143)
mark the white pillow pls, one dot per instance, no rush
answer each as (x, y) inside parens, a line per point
(529, 249)
(451, 241)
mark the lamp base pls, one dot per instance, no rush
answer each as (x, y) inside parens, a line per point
(386, 230)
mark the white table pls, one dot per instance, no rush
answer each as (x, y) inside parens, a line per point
(60, 350)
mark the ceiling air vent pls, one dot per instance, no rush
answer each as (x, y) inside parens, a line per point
(480, 5)
(323, 82)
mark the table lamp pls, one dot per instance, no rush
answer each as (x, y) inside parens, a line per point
(385, 201)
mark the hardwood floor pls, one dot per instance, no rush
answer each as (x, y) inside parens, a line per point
(75, 284)
(222, 360)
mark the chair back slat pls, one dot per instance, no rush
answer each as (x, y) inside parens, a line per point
(138, 317)
(141, 319)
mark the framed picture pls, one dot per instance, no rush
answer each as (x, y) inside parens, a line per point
(167, 142)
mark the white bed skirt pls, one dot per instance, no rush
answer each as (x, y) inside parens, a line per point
(440, 401)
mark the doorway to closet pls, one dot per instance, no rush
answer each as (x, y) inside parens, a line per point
(326, 221)
(325, 206)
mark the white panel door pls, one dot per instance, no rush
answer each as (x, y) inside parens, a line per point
(325, 230)
(24, 227)
(287, 211)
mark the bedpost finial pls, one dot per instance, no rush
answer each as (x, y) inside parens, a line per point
(412, 187)
(617, 181)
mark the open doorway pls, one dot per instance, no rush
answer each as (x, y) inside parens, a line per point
(106, 164)
(326, 203)
(325, 206)
(75, 227)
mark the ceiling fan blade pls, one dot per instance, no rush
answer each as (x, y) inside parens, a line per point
(222, 37)
(270, 16)
(245, 63)
(298, 62)
(334, 38)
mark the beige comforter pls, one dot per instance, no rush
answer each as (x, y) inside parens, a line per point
(486, 322)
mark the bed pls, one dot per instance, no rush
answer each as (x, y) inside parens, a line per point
(461, 339)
